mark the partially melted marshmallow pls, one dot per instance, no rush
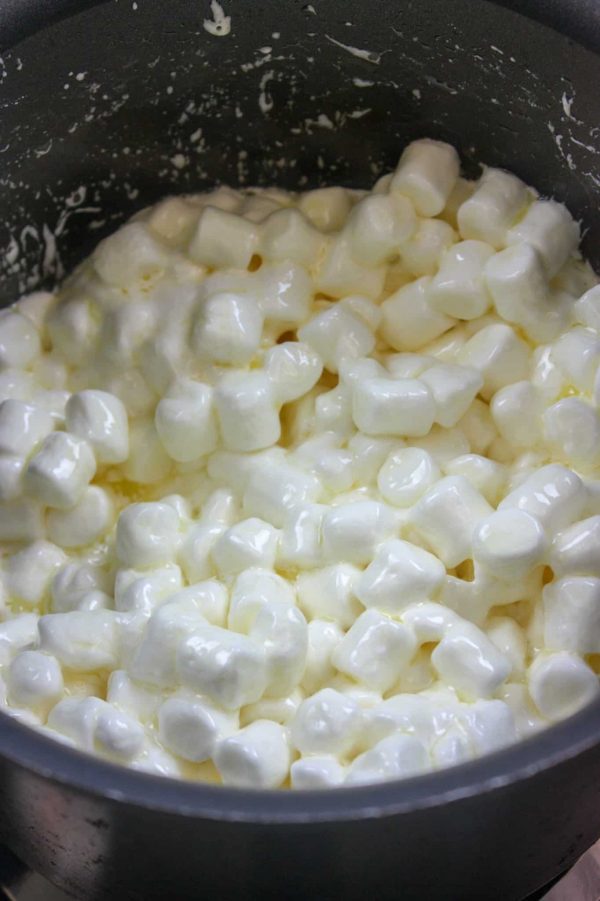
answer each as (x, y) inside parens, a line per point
(303, 490)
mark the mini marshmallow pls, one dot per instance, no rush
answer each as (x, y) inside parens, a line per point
(194, 553)
(369, 454)
(587, 309)
(129, 256)
(327, 723)
(17, 634)
(467, 660)
(153, 658)
(490, 725)
(375, 650)
(333, 412)
(22, 427)
(130, 697)
(288, 235)
(257, 756)
(395, 757)
(123, 332)
(510, 640)
(339, 274)
(351, 532)
(328, 593)
(493, 207)
(254, 589)
(101, 419)
(459, 288)
(35, 680)
(323, 771)
(300, 539)
(251, 542)
(185, 421)
(336, 334)
(190, 727)
(73, 582)
(11, 470)
(285, 294)
(143, 591)
(377, 226)
(400, 574)
(429, 622)
(574, 551)
(572, 428)
(147, 534)
(83, 641)
(228, 329)
(29, 572)
(173, 219)
(223, 240)
(118, 735)
(422, 253)
(279, 710)
(577, 353)
(509, 543)
(280, 629)
(426, 174)
(498, 354)
(247, 411)
(446, 515)
(293, 368)
(88, 520)
(403, 407)
(549, 227)
(561, 684)
(408, 319)
(21, 521)
(58, 474)
(327, 208)
(77, 718)
(486, 476)
(406, 475)
(516, 410)
(210, 597)
(572, 615)
(275, 488)
(230, 668)
(323, 638)
(453, 388)
(73, 327)
(19, 340)
(555, 495)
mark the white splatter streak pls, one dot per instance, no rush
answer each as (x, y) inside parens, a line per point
(369, 55)
(220, 24)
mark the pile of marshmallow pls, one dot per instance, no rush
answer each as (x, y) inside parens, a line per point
(303, 490)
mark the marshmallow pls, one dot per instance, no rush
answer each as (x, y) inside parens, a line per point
(572, 428)
(493, 207)
(426, 174)
(129, 257)
(574, 551)
(84, 523)
(73, 327)
(516, 412)
(130, 697)
(147, 534)
(21, 521)
(143, 591)
(509, 543)
(422, 253)
(375, 650)
(368, 455)
(251, 542)
(453, 388)
(210, 597)
(323, 638)
(572, 615)
(60, 471)
(351, 532)
(29, 572)
(395, 757)
(577, 353)
(561, 684)
(101, 419)
(280, 629)
(467, 660)
(16, 635)
(329, 593)
(153, 659)
(77, 719)
(288, 235)
(459, 288)
(148, 462)
(19, 340)
(428, 621)
(228, 329)
(490, 725)
(486, 476)
(22, 427)
(327, 208)
(323, 771)
(230, 668)
(254, 589)
(11, 470)
(285, 294)
(377, 227)
(257, 756)
(337, 334)
(185, 421)
(408, 319)
(446, 515)
(403, 407)
(83, 641)
(547, 226)
(173, 219)
(406, 475)
(339, 274)
(35, 680)
(300, 540)
(327, 723)
(247, 411)
(400, 574)
(555, 495)
(191, 727)
(275, 488)
(586, 310)
(293, 368)
(223, 240)
(118, 735)
(498, 354)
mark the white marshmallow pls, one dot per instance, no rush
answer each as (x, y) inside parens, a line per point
(194, 553)
(275, 488)
(498, 354)
(230, 668)
(22, 427)
(403, 407)
(509, 543)
(83, 641)
(101, 419)
(426, 173)
(547, 226)
(408, 319)
(74, 327)
(486, 476)
(375, 650)
(153, 659)
(467, 660)
(228, 329)
(88, 520)
(368, 455)
(35, 680)
(185, 421)
(489, 724)
(587, 309)
(293, 368)
(443, 444)
(288, 235)
(58, 474)
(300, 540)
(516, 410)
(254, 589)
(459, 288)
(17, 634)
(19, 340)
(377, 226)
(223, 240)
(247, 411)
(73, 582)
(400, 574)
(453, 388)
(130, 697)
(446, 515)
(21, 521)
(333, 412)
(143, 591)
(329, 593)
(251, 542)
(510, 640)
(395, 757)
(129, 257)
(422, 253)
(327, 723)
(280, 629)
(339, 275)
(11, 470)
(147, 534)
(77, 718)
(336, 334)
(327, 208)
(323, 771)
(555, 495)
(285, 294)
(257, 756)
(29, 572)
(428, 621)
(490, 211)
(575, 550)
(406, 475)
(572, 429)
(118, 735)
(210, 597)
(572, 615)
(351, 532)
(561, 684)
(577, 353)
(323, 638)
(173, 219)
(17, 385)
(190, 727)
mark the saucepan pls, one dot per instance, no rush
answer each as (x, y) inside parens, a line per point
(105, 107)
